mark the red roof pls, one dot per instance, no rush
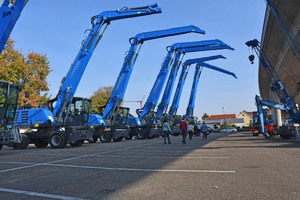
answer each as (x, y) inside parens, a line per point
(228, 116)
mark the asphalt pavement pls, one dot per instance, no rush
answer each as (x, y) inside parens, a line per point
(225, 166)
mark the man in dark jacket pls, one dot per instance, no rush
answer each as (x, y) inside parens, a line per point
(183, 127)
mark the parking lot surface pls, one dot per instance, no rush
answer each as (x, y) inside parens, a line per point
(225, 166)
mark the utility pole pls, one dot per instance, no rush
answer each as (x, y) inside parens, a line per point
(225, 121)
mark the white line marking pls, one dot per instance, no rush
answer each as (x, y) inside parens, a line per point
(73, 158)
(143, 170)
(39, 194)
(148, 157)
(128, 169)
(162, 157)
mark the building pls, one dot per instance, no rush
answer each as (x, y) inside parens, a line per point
(216, 121)
(278, 50)
(247, 116)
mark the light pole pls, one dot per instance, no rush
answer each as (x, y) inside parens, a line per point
(225, 121)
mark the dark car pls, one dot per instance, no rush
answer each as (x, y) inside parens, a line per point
(210, 130)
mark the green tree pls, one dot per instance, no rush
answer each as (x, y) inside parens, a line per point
(205, 115)
(30, 72)
(100, 97)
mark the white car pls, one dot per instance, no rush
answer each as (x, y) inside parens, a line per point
(230, 130)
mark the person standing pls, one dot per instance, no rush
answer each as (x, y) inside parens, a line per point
(204, 130)
(190, 130)
(199, 129)
(166, 131)
(183, 127)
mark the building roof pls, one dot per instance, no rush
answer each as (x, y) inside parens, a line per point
(276, 47)
(215, 117)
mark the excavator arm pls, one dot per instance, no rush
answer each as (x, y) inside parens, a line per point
(276, 83)
(10, 11)
(125, 73)
(162, 107)
(156, 90)
(190, 108)
(182, 77)
(70, 82)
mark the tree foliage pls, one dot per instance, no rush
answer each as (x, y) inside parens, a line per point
(28, 71)
(205, 115)
(100, 97)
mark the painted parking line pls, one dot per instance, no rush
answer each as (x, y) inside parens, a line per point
(36, 194)
(142, 170)
(73, 158)
(127, 169)
(164, 157)
(146, 157)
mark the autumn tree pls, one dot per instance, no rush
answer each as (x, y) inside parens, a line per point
(100, 97)
(28, 71)
(205, 115)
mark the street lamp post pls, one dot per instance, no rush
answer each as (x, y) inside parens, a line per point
(225, 121)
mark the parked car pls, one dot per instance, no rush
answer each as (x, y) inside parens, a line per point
(210, 130)
(230, 130)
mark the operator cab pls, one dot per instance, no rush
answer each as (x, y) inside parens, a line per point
(9, 94)
(79, 110)
(119, 116)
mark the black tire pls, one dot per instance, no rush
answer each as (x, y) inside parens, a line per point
(142, 135)
(95, 138)
(41, 143)
(118, 139)
(105, 137)
(285, 137)
(58, 140)
(77, 144)
(130, 137)
(1, 146)
(24, 143)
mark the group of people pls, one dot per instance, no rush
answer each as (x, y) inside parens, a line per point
(186, 128)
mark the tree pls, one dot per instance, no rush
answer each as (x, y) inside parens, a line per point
(205, 115)
(100, 97)
(30, 72)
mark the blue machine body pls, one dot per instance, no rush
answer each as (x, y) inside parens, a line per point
(134, 121)
(96, 120)
(191, 104)
(157, 88)
(163, 105)
(70, 82)
(10, 12)
(182, 77)
(126, 70)
(276, 86)
(35, 116)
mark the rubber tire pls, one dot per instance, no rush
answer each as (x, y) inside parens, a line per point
(1, 146)
(77, 144)
(118, 139)
(105, 137)
(41, 143)
(285, 137)
(24, 143)
(95, 138)
(142, 135)
(130, 138)
(58, 140)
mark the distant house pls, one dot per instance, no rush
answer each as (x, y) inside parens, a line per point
(217, 120)
(247, 116)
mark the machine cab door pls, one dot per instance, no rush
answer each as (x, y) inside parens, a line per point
(78, 112)
(9, 94)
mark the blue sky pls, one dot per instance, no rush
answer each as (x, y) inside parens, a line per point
(57, 27)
